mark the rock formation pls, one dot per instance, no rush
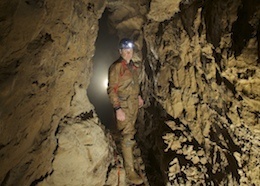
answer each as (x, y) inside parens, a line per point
(201, 85)
(203, 67)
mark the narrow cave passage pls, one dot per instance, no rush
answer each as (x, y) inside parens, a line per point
(201, 87)
(105, 54)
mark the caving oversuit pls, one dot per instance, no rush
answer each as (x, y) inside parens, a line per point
(123, 90)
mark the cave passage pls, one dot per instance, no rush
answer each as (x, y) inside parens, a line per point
(106, 53)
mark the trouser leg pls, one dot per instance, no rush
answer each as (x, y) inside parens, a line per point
(128, 131)
(127, 150)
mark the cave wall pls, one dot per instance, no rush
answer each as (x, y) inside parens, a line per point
(202, 70)
(48, 126)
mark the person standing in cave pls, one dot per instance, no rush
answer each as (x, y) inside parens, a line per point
(123, 91)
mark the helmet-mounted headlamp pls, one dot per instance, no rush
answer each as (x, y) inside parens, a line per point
(126, 44)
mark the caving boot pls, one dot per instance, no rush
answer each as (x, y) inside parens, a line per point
(132, 176)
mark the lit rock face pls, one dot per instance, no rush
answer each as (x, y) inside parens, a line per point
(162, 10)
(202, 92)
(83, 154)
(46, 49)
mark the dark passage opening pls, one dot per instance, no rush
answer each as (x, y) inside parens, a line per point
(106, 53)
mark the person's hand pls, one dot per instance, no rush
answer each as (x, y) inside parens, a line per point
(140, 101)
(120, 115)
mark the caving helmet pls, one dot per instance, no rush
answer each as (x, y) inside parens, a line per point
(126, 43)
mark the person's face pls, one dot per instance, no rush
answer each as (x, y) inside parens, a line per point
(127, 53)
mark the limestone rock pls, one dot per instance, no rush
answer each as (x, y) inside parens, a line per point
(83, 153)
(163, 10)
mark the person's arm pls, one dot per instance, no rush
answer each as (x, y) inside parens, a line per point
(112, 90)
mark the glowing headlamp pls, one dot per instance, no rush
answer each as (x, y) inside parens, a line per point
(126, 44)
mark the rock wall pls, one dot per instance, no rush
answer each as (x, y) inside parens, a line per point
(46, 49)
(202, 82)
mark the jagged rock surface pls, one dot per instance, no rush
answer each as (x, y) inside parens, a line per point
(83, 153)
(204, 72)
(46, 49)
